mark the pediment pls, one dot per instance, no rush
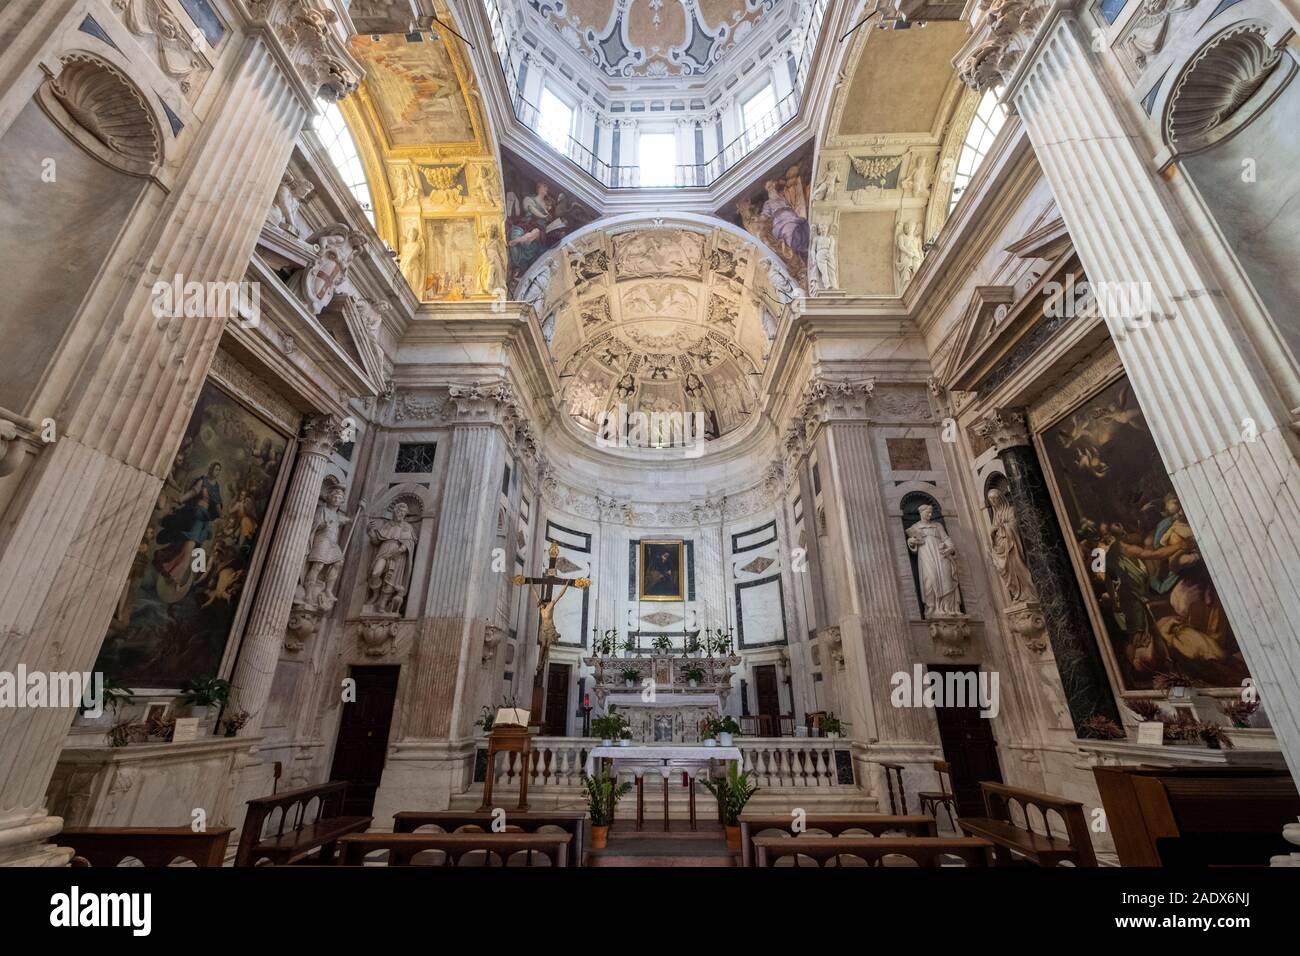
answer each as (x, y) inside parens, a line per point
(988, 307)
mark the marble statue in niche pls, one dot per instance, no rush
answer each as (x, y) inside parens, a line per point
(325, 554)
(910, 252)
(1008, 549)
(388, 576)
(937, 563)
(492, 255)
(412, 260)
(826, 262)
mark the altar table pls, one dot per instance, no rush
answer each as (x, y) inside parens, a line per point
(663, 759)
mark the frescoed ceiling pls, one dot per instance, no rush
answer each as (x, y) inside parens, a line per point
(650, 38)
(658, 320)
(430, 161)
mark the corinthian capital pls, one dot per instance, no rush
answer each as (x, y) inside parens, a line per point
(999, 42)
(1003, 428)
(321, 435)
(315, 42)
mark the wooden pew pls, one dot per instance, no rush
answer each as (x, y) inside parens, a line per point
(1014, 838)
(1197, 816)
(152, 846)
(401, 847)
(572, 822)
(924, 851)
(303, 836)
(753, 823)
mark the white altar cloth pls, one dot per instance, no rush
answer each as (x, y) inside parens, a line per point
(665, 759)
(633, 699)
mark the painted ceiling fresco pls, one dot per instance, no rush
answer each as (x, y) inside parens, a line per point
(647, 38)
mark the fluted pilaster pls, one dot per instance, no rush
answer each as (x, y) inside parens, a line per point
(269, 618)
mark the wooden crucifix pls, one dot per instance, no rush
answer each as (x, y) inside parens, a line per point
(544, 588)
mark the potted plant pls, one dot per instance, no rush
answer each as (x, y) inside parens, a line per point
(692, 646)
(831, 726)
(112, 694)
(732, 793)
(1100, 727)
(486, 718)
(603, 795)
(609, 727)
(631, 676)
(1239, 711)
(119, 735)
(204, 693)
(663, 644)
(1145, 709)
(693, 674)
(1214, 736)
(724, 728)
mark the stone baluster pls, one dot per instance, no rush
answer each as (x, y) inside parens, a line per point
(264, 637)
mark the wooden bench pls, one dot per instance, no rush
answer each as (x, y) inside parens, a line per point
(402, 847)
(1018, 839)
(1197, 816)
(152, 846)
(752, 824)
(296, 837)
(872, 851)
(572, 822)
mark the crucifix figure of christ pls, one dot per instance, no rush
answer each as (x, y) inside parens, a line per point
(547, 637)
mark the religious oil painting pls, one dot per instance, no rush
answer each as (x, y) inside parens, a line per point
(775, 209)
(1162, 613)
(174, 617)
(662, 575)
(539, 215)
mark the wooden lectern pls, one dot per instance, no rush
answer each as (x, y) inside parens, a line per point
(510, 738)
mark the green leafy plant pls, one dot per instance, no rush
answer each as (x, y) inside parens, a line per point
(831, 725)
(692, 645)
(603, 794)
(1239, 711)
(611, 726)
(694, 673)
(206, 691)
(732, 793)
(487, 717)
(718, 724)
(607, 644)
(631, 674)
(663, 643)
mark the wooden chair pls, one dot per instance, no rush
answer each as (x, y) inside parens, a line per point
(1016, 839)
(895, 771)
(754, 824)
(455, 847)
(871, 851)
(152, 846)
(572, 822)
(813, 722)
(931, 800)
(303, 836)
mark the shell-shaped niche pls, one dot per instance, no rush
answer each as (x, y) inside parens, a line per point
(109, 113)
(1217, 83)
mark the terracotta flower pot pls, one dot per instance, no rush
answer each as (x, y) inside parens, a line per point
(600, 836)
(733, 837)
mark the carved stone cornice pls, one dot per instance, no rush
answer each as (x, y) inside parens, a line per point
(997, 46)
(314, 42)
(1003, 428)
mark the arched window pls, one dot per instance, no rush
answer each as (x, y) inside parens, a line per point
(989, 117)
(342, 149)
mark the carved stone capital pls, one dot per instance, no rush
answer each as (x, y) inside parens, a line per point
(1004, 428)
(304, 623)
(376, 635)
(833, 641)
(314, 41)
(950, 633)
(997, 46)
(483, 402)
(321, 435)
(825, 399)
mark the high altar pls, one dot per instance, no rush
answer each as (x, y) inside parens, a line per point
(672, 707)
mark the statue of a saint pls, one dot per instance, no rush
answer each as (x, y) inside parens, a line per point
(389, 574)
(325, 555)
(412, 260)
(937, 562)
(1009, 550)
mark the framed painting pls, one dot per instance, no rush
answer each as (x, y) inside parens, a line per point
(663, 575)
(192, 568)
(1146, 583)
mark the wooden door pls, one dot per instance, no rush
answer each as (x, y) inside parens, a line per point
(557, 700)
(362, 745)
(768, 699)
(968, 746)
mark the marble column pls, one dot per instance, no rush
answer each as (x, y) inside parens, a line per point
(1215, 407)
(268, 621)
(1069, 629)
(86, 499)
